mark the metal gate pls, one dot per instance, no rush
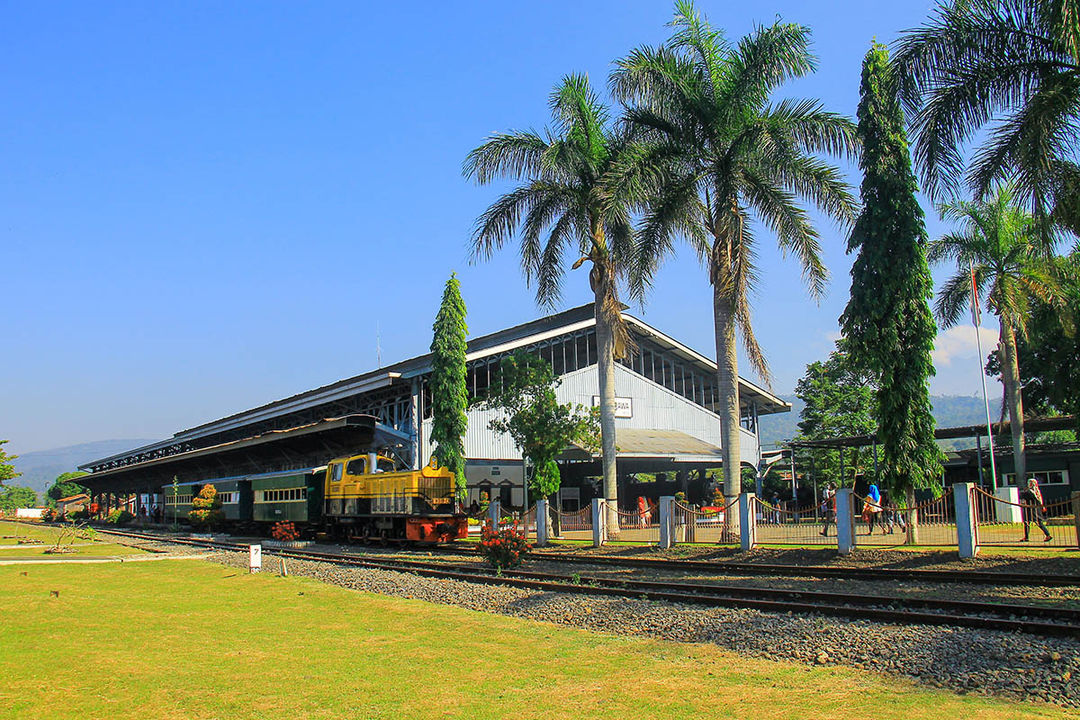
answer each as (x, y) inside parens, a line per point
(780, 525)
(1003, 522)
(575, 525)
(935, 523)
(692, 525)
(638, 526)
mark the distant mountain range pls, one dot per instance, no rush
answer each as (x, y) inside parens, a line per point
(949, 411)
(39, 469)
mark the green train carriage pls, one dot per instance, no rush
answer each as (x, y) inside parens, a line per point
(292, 495)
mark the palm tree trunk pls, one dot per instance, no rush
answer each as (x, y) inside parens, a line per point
(1011, 377)
(727, 382)
(605, 345)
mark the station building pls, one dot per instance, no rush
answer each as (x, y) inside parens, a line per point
(668, 432)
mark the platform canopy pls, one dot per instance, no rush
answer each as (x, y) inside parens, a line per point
(304, 446)
(670, 446)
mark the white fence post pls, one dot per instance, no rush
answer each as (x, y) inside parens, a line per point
(494, 511)
(967, 534)
(747, 521)
(598, 519)
(845, 520)
(1006, 506)
(542, 522)
(667, 537)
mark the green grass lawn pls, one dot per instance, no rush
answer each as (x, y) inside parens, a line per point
(197, 640)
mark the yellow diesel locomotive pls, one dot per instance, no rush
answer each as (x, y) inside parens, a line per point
(369, 497)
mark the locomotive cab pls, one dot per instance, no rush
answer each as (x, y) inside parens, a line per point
(374, 497)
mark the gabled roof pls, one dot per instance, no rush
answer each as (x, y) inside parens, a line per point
(71, 498)
(507, 340)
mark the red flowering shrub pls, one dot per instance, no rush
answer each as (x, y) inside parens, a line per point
(503, 548)
(285, 531)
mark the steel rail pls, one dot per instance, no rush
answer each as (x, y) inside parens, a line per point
(1008, 618)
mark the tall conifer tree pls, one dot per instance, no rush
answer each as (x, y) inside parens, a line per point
(888, 321)
(449, 395)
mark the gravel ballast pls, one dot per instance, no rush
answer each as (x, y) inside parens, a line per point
(962, 659)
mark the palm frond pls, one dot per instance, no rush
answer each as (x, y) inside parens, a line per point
(953, 298)
(779, 211)
(765, 59)
(514, 155)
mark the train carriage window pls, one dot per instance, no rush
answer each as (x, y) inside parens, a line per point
(357, 466)
(335, 472)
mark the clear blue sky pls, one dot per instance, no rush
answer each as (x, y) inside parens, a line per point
(208, 206)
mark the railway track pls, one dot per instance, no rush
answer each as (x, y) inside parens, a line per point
(1038, 620)
(722, 567)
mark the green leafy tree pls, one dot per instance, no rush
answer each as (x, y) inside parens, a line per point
(566, 202)
(1049, 355)
(7, 468)
(13, 497)
(540, 426)
(65, 485)
(715, 154)
(840, 401)
(998, 248)
(1005, 75)
(206, 509)
(449, 393)
(888, 324)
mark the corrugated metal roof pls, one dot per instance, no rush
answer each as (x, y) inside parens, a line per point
(490, 344)
(638, 443)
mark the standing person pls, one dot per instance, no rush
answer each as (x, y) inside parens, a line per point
(872, 508)
(643, 511)
(1034, 509)
(889, 517)
(828, 506)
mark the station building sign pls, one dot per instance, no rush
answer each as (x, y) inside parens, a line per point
(624, 406)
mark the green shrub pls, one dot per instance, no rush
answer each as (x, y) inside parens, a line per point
(119, 517)
(206, 508)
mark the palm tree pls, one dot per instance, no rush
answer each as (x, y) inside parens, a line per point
(998, 252)
(1006, 72)
(563, 204)
(714, 154)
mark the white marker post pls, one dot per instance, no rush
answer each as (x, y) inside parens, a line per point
(254, 558)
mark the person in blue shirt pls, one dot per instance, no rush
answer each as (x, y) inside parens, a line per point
(872, 508)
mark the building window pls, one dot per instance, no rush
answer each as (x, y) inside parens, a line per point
(1044, 477)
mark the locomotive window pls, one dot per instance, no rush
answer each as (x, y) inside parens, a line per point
(356, 467)
(386, 465)
(335, 472)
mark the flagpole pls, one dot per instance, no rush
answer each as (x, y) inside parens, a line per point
(982, 374)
